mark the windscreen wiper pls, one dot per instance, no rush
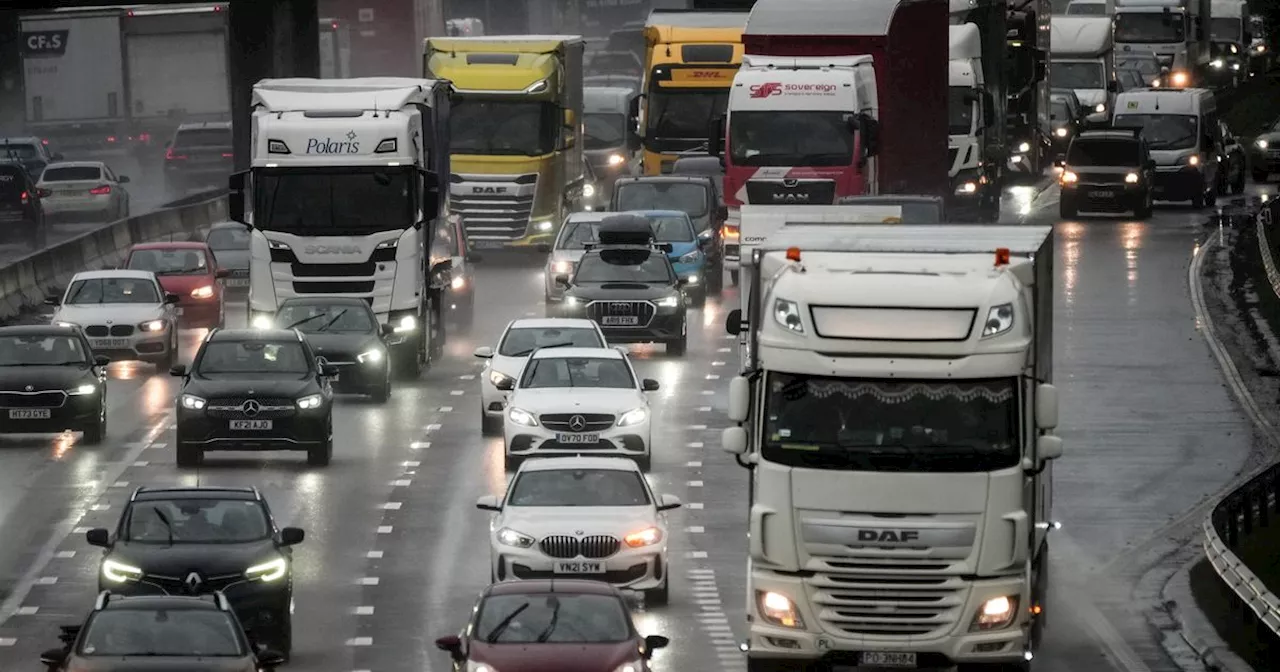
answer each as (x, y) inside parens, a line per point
(501, 627)
(306, 320)
(335, 319)
(526, 353)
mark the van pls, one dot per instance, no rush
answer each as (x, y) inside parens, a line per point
(1183, 134)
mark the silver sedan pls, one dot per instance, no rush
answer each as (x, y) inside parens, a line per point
(83, 190)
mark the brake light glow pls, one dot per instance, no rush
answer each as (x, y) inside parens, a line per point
(101, 191)
(227, 155)
(1002, 256)
(111, 138)
(25, 198)
(170, 156)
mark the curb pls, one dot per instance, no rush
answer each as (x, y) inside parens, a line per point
(1194, 627)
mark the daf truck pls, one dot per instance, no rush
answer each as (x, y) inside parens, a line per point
(343, 196)
(897, 424)
(516, 134)
(1083, 61)
(1177, 32)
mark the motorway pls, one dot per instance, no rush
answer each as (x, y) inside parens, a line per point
(396, 552)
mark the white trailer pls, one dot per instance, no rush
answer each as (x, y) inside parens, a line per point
(896, 413)
(73, 76)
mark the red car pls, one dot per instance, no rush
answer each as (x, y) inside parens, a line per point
(551, 625)
(189, 270)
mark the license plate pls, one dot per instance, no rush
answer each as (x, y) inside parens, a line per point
(619, 320)
(488, 244)
(1102, 193)
(29, 414)
(578, 438)
(237, 282)
(579, 567)
(251, 425)
(108, 343)
(888, 658)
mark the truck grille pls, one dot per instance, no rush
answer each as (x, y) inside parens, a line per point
(887, 603)
(643, 310)
(493, 207)
(563, 422)
(100, 330)
(791, 192)
(46, 399)
(564, 546)
(333, 287)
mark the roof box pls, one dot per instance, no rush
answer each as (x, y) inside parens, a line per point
(625, 229)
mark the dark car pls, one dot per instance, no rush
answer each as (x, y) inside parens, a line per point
(1264, 156)
(193, 541)
(230, 244)
(604, 124)
(255, 389)
(1066, 125)
(50, 381)
(710, 166)
(21, 211)
(33, 153)
(1227, 64)
(345, 333)
(198, 157)
(169, 632)
(1234, 163)
(551, 625)
(627, 285)
(697, 196)
(1107, 171)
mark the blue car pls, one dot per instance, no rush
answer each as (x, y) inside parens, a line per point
(687, 255)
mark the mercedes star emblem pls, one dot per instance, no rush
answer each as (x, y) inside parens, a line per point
(30, 387)
(193, 581)
(108, 321)
(577, 423)
(250, 408)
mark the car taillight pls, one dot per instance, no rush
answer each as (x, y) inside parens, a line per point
(44, 193)
(170, 156)
(111, 138)
(101, 191)
(227, 155)
(26, 198)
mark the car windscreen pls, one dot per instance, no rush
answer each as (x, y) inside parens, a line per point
(1077, 75)
(671, 229)
(229, 238)
(552, 618)
(578, 487)
(19, 151)
(71, 174)
(236, 358)
(1162, 131)
(1109, 153)
(112, 290)
(577, 372)
(1059, 112)
(1147, 66)
(42, 350)
(114, 633)
(312, 318)
(203, 137)
(687, 197)
(594, 268)
(196, 521)
(170, 262)
(522, 341)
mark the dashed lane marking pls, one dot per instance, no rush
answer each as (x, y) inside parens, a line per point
(410, 464)
(27, 611)
(446, 409)
(158, 446)
(373, 555)
(697, 529)
(697, 555)
(713, 376)
(46, 580)
(704, 409)
(64, 555)
(419, 445)
(100, 507)
(693, 464)
(694, 484)
(360, 641)
(457, 393)
(363, 611)
(695, 506)
(391, 506)
(7, 641)
(467, 376)
(697, 428)
(120, 484)
(368, 581)
(708, 392)
(717, 363)
(724, 350)
(401, 483)
(384, 529)
(79, 530)
(432, 428)
(141, 463)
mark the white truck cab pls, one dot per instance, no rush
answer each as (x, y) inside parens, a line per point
(1176, 31)
(1083, 60)
(971, 119)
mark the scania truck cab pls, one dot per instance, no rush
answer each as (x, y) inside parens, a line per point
(344, 197)
(515, 134)
(897, 423)
(1177, 32)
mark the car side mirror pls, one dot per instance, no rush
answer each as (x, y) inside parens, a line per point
(733, 322)
(562, 281)
(122, 179)
(171, 299)
(484, 352)
(452, 644)
(506, 385)
(722, 212)
(328, 370)
(178, 370)
(53, 657)
(292, 536)
(222, 273)
(544, 248)
(270, 658)
(669, 502)
(650, 385)
(652, 643)
(98, 536)
(53, 301)
(488, 503)
(386, 329)
(101, 360)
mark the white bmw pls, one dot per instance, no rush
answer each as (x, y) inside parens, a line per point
(577, 401)
(581, 517)
(519, 340)
(125, 314)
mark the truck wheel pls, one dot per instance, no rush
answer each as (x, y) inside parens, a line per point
(715, 279)
(439, 330)
(410, 359)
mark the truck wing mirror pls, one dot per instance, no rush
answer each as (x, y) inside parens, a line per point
(715, 136)
(870, 135)
(733, 322)
(235, 200)
(1048, 447)
(1046, 407)
(739, 399)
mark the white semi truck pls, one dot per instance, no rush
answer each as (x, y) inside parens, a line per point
(1084, 61)
(1177, 32)
(974, 129)
(346, 201)
(896, 410)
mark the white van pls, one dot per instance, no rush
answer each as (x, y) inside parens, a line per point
(1182, 130)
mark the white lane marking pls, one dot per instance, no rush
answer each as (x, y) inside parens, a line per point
(401, 483)
(158, 446)
(700, 570)
(384, 529)
(99, 507)
(694, 464)
(724, 349)
(360, 641)
(446, 409)
(419, 445)
(364, 611)
(46, 580)
(704, 409)
(120, 484)
(410, 472)
(708, 392)
(391, 506)
(368, 581)
(695, 506)
(7, 641)
(432, 428)
(374, 555)
(711, 608)
(64, 555)
(697, 555)
(141, 463)
(707, 600)
(411, 464)
(27, 611)
(696, 529)
(467, 376)
(697, 428)
(717, 363)
(713, 376)
(694, 484)
(79, 530)
(457, 393)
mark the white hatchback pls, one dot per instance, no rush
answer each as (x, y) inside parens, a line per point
(125, 314)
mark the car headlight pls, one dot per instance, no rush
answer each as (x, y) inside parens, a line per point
(1179, 79)
(589, 190)
(634, 416)
(778, 609)
(668, 302)
(1060, 132)
(458, 282)
(1217, 63)
(787, 313)
(205, 292)
(309, 402)
(192, 402)
(267, 571)
(497, 377)
(510, 537)
(522, 417)
(1192, 160)
(690, 258)
(692, 280)
(999, 320)
(967, 188)
(646, 537)
(369, 357)
(1131, 178)
(119, 572)
(561, 267)
(995, 613)
(1069, 177)
(617, 159)
(81, 390)
(480, 667)
(262, 322)
(633, 666)
(570, 301)
(1100, 107)
(152, 326)
(544, 225)
(1024, 147)
(1262, 144)
(64, 324)
(406, 323)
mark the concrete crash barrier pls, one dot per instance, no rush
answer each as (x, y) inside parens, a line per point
(25, 283)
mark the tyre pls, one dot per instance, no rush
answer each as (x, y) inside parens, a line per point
(489, 426)
(1066, 209)
(715, 279)
(382, 393)
(96, 432)
(677, 347)
(410, 357)
(700, 298)
(1260, 175)
(1198, 200)
(171, 353)
(283, 640)
(1211, 197)
(1237, 186)
(511, 462)
(1143, 210)
(189, 456)
(322, 455)
(659, 596)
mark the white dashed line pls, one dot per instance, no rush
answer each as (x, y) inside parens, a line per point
(697, 555)
(27, 611)
(46, 580)
(724, 350)
(411, 464)
(419, 445)
(157, 446)
(360, 641)
(384, 529)
(368, 581)
(696, 444)
(120, 484)
(694, 484)
(364, 611)
(79, 530)
(99, 507)
(708, 392)
(693, 465)
(704, 409)
(373, 555)
(717, 363)
(695, 506)
(697, 428)
(7, 641)
(432, 428)
(141, 463)
(713, 376)
(446, 409)
(402, 483)
(697, 529)
(64, 555)
(467, 376)
(457, 393)
(391, 506)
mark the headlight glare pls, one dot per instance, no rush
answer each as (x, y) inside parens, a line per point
(1060, 132)
(1131, 178)
(561, 267)
(668, 302)
(510, 537)
(967, 188)
(458, 282)
(787, 313)
(995, 613)
(64, 324)
(1024, 147)
(588, 190)
(999, 320)
(1262, 144)
(617, 159)
(497, 377)
(81, 390)
(1100, 107)
(370, 357)
(205, 292)
(522, 417)
(119, 572)
(778, 609)
(267, 571)
(152, 326)
(634, 666)
(646, 537)
(262, 321)
(634, 416)
(406, 323)
(192, 403)
(1069, 177)
(309, 402)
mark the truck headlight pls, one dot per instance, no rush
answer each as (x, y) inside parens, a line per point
(1061, 131)
(617, 159)
(510, 537)
(458, 282)
(1262, 144)
(118, 572)
(1216, 63)
(370, 357)
(192, 403)
(262, 321)
(632, 417)
(1100, 108)
(778, 609)
(588, 190)
(1131, 178)
(309, 402)
(561, 268)
(995, 613)
(1024, 147)
(787, 313)
(406, 323)
(999, 320)
(267, 571)
(522, 417)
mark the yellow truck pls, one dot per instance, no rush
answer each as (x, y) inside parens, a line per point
(690, 60)
(515, 134)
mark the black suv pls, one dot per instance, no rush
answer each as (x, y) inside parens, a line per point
(1107, 171)
(198, 157)
(255, 389)
(345, 333)
(193, 541)
(21, 212)
(51, 381)
(696, 196)
(175, 633)
(627, 285)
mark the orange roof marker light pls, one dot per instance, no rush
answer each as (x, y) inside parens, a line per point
(793, 254)
(1002, 256)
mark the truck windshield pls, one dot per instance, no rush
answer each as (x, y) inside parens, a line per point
(1162, 131)
(334, 202)
(503, 128)
(1149, 66)
(891, 425)
(682, 116)
(604, 130)
(1226, 29)
(959, 110)
(1076, 75)
(804, 138)
(1150, 27)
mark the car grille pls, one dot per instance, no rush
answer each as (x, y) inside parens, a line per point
(598, 310)
(45, 399)
(232, 408)
(890, 602)
(791, 192)
(100, 330)
(562, 422)
(564, 546)
(1100, 178)
(176, 585)
(494, 216)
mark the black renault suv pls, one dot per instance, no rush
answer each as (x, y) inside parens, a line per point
(1107, 171)
(255, 389)
(192, 541)
(51, 381)
(626, 284)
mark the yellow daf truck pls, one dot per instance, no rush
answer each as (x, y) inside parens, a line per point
(690, 60)
(515, 134)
